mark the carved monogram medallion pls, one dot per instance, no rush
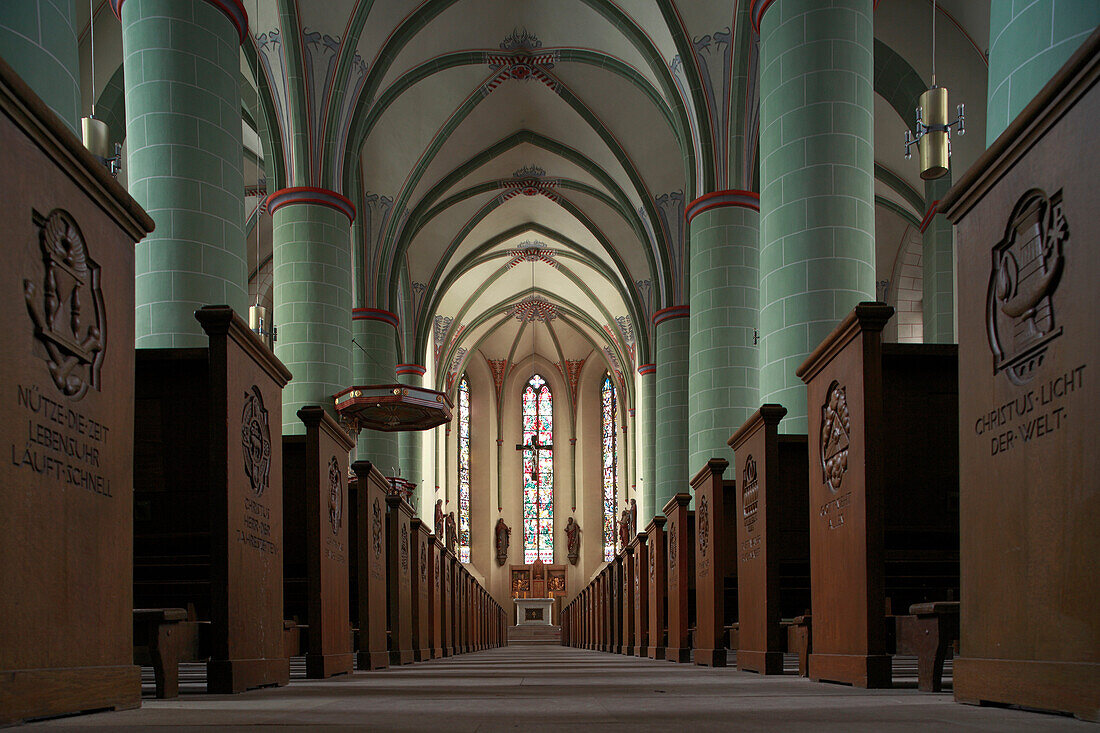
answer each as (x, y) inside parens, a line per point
(1027, 265)
(652, 567)
(256, 440)
(836, 427)
(404, 549)
(748, 493)
(335, 495)
(376, 528)
(423, 563)
(65, 304)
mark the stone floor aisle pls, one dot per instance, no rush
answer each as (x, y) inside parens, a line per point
(541, 688)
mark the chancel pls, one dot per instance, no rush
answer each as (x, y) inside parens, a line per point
(788, 309)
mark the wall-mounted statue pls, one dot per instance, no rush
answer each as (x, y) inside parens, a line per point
(633, 518)
(439, 528)
(503, 540)
(452, 534)
(573, 540)
(624, 528)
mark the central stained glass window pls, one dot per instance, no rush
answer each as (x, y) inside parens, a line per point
(610, 466)
(464, 470)
(538, 472)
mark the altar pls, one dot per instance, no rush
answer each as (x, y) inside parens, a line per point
(534, 611)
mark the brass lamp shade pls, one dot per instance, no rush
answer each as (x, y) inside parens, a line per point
(97, 136)
(934, 145)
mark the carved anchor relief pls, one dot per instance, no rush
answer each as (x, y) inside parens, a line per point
(1027, 265)
(65, 304)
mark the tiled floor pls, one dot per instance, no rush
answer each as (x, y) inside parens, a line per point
(548, 688)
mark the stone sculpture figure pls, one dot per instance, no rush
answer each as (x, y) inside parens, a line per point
(573, 540)
(452, 533)
(633, 517)
(624, 528)
(439, 527)
(503, 540)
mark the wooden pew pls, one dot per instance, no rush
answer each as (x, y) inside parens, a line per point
(1026, 224)
(883, 489)
(615, 607)
(399, 544)
(370, 552)
(773, 541)
(421, 597)
(435, 608)
(448, 601)
(715, 562)
(607, 606)
(640, 560)
(680, 566)
(205, 530)
(315, 506)
(657, 549)
(67, 370)
(628, 581)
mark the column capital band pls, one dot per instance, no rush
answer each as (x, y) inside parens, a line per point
(732, 197)
(645, 369)
(417, 369)
(375, 314)
(666, 314)
(311, 195)
(233, 9)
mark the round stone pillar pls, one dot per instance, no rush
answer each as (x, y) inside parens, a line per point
(671, 413)
(647, 432)
(1028, 43)
(938, 267)
(411, 443)
(817, 216)
(311, 293)
(374, 361)
(38, 40)
(723, 384)
(184, 165)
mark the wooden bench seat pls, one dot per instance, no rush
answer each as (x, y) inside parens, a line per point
(164, 637)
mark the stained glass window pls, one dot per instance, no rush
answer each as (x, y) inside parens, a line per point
(610, 466)
(464, 470)
(538, 472)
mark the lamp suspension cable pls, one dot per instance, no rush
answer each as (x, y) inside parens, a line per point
(91, 38)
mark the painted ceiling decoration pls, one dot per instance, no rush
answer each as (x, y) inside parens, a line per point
(479, 138)
(534, 308)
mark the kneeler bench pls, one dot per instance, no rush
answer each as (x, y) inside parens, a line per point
(163, 637)
(928, 632)
(799, 641)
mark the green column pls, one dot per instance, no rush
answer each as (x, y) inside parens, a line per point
(411, 442)
(374, 361)
(671, 413)
(723, 384)
(311, 294)
(183, 133)
(1028, 43)
(938, 263)
(647, 431)
(38, 40)
(817, 217)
